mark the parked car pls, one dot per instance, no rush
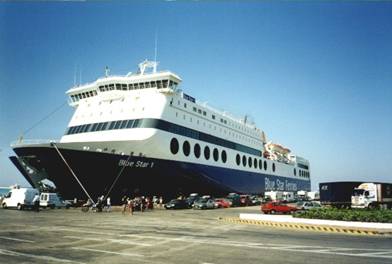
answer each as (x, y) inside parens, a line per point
(222, 203)
(277, 207)
(192, 198)
(204, 203)
(254, 200)
(245, 200)
(177, 204)
(234, 198)
(52, 200)
(307, 205)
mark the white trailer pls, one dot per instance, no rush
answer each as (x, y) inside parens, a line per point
(274, 195)
(19, 198)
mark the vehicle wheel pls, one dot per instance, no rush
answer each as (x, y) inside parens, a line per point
(20, 207)
(4, 205)
(272, 211)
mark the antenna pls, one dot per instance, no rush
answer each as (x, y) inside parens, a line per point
(74, 75)
(156, 46)
(107, 71)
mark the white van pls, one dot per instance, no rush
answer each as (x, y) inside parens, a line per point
(52, 200)
(20, 198)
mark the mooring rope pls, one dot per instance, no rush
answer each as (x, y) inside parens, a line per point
(118, 176)
(72, 172)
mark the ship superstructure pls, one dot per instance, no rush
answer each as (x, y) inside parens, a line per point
(143, 132)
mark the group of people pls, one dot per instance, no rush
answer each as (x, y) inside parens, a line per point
(139, 203)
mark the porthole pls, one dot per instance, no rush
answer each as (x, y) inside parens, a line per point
(174, 146)
(273, 167)
(196, 150)
(238, 159)
(186, 148)
(265, 165)
(255, 163)
(244, 160)
(224, 156)
(260, 165)
(215, 154)
(207, 152)
(295, 172)
(250, 162)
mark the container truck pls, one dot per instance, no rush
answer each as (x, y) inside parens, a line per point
(372, 195)
(337, 194)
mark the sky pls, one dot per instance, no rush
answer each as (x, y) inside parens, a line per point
(315, 76)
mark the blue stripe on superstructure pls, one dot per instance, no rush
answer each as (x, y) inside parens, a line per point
(165, 126)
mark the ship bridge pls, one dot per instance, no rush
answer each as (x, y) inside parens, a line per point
(117, 85)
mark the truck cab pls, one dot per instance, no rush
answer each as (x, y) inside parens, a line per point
(365, 196)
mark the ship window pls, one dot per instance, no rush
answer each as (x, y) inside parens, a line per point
(238, 159)
(141, 85)
(244, 160)
(224, 156)
(204, 113)
(260, 165)
(250, 162)
(196, 150)
(136, 123)
(117, 125)
(174, 146)
(207, 152)
(159, 84)
(147, 85)
(273, 167)
(95, 92)
(130, 123)
(99, 127)
(112, 125)
(123, 124)
(295, 172)
(153, 84)
(184, 105)
(194, 109)
(215, 154)
(111, 86)
(130, 86)
(164, 83)
(104, 125)
(199, 111)
(101, 88)
(94, 128)
(186, 148)
(135, 86)
(124, 87)
(213, 116)
(83, 95)
(265, 165)
(255, 163)
(118, 86)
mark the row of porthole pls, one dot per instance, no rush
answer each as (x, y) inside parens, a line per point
(257, 164)
(186, 149)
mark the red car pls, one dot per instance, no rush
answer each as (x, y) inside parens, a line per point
(222, 203)
(277, 207)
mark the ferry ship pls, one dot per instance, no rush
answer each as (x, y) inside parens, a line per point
(141, 134)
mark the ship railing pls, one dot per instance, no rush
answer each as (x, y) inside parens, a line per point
(21, 142)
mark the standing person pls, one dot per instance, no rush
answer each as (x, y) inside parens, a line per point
(36, 203)
(108, 204)
(124, 201)
(130, 206)
(160, 201)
